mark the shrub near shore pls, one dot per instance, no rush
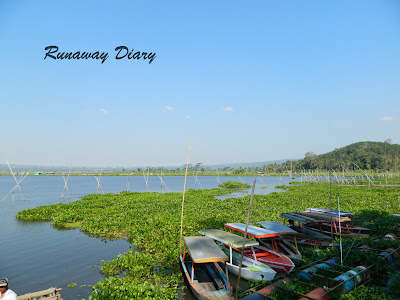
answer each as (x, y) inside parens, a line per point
(151, 222)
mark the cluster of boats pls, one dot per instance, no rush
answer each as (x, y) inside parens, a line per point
(319, 227)
(261, 252)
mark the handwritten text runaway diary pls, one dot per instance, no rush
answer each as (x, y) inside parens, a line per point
(121, 52)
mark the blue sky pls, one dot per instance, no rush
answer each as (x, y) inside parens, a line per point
(256, 81)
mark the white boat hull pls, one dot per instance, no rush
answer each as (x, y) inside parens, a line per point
(251, 269)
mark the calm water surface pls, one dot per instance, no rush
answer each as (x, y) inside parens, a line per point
(36, 256)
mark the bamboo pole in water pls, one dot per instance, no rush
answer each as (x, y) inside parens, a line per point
(13, 189)
(183, 197)
(16, 181)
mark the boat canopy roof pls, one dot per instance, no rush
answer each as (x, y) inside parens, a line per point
(253, 231)
(277, 227)
(331, 212)
(227, 238)
(324, 216)
(300, 218)
(203, 249)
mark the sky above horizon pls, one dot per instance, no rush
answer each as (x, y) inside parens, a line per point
(245, 82)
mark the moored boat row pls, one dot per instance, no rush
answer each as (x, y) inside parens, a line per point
(267, 250)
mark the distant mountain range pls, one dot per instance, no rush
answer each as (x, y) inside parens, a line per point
(363, 155)
(37, 168)
(258, 164)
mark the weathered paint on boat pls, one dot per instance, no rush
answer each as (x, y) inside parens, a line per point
(251, 269)
(201, 270)
(279, 262)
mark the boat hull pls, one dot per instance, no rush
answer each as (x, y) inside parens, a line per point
(327, 229)
(204, 286)
(310, 233)
(251, 269)
(284, 247)
(309, 241)
(279, 262)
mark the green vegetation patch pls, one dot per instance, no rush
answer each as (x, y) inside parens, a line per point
(234, 185)
(73, 225)
(151, 222)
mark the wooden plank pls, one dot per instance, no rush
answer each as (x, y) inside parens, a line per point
(227, 238)
(300, 218)
(253, 231)
(49, 294)
(203, 249)
(323, 216)
(215, 277)
(206, 286)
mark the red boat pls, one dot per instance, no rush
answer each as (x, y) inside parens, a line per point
(277, 261)
(283, 245)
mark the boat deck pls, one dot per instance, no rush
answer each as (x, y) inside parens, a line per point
(49, 294)
(207, 281)
(206, 277)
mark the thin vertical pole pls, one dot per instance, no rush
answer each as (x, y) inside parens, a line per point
(340, 228)
(183, 197)
(244, 236)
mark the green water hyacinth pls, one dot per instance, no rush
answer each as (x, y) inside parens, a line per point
(151, 222)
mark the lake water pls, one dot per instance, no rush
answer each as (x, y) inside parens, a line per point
(36, 256)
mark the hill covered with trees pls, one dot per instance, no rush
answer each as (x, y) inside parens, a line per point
(363, 155)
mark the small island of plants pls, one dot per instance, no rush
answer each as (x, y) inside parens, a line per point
(234, 185)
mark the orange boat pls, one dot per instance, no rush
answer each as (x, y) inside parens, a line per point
(277, 261)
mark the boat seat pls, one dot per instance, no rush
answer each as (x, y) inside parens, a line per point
(262, 254)
(216, 279)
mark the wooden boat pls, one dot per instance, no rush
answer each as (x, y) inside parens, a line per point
(252, 270)
(344, 228)
(324, 225)
(334, 224)
(331, 212)
(201, 270)
(311, 233)
(324, 216)
(336, 230)
(334, 216)
(49, 294)
(277, 261)
(309, 241)
(307, 235)
(280, 244)
(303, 219)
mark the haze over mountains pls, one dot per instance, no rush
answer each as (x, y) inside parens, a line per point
(366, 155)
(32, 168)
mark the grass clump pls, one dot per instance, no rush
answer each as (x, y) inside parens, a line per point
(234, 185)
